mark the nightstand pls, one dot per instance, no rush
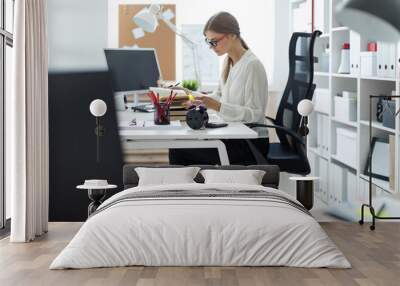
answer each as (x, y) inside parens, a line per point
(96, 195)
(305, 190)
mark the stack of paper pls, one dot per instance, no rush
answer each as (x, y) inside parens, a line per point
(148, 125)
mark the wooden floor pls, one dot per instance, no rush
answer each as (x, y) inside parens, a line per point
(375, 257)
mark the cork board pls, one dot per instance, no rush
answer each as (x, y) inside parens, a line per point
(163, 39)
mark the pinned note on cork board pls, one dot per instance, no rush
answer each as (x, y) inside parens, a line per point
(163, 39)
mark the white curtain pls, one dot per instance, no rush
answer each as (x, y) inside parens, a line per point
(28, 122)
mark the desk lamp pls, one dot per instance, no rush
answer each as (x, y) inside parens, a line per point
(147, 19)
(98, 108)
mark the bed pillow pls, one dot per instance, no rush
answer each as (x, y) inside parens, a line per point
(247, 177)
(166, 176)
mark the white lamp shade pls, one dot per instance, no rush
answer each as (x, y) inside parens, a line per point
(305, 107)
(146, 20)
(98, 107)
(374, 20)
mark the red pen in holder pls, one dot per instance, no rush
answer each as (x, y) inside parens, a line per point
(161, 113)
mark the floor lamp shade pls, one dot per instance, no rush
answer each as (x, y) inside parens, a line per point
(376, 20)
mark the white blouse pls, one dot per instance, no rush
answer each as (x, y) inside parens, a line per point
(243, 96)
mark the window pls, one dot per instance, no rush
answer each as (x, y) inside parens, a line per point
(6, 44)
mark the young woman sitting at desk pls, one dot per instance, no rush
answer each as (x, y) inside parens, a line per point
(241, 94)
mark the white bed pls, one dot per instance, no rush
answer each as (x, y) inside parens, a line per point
(207, 230)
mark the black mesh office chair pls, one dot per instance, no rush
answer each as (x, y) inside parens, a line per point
(290, 153)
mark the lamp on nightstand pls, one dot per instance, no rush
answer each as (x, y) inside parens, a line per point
(305, 108)
(98, 108)
(305, 185)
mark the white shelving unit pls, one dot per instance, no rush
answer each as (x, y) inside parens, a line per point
(341, 181)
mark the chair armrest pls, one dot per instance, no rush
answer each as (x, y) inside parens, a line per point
(270, 119)
(294, 135)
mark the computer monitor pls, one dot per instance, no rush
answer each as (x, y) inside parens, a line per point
(133, 70)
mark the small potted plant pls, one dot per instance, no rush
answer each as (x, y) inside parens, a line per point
(192, 85)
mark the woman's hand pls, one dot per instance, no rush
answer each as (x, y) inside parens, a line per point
(209, 102)
(189, 103)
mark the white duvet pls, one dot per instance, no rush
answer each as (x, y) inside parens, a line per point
(193, 231)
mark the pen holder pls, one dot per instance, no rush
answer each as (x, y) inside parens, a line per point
(161, 114)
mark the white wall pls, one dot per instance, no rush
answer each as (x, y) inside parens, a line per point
(281, 42)
(257, 19)
(77, 31)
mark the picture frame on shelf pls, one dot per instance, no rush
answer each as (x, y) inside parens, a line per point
(379, 155)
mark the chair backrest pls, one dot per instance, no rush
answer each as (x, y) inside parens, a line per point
(299, 85)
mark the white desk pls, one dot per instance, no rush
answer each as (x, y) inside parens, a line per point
(185, 137)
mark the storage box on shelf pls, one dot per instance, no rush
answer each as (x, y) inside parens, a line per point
(368, 64)
(346, 106)
(321, 100)
(322, 138)
(346, 146)
(337, 185)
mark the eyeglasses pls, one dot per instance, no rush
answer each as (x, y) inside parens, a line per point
(213, 42)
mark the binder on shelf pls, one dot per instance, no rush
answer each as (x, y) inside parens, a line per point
(392, 160)
(351, 187)
(323, 184)
(337, 184)
(319, 133)
(354, 53)
(311, 160)
(325, 135)
(332, 185)
(363, 191)
(381, 59)
(386, 60)
(340, 184)
(391, 61)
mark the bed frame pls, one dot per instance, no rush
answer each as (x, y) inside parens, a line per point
(271, 177)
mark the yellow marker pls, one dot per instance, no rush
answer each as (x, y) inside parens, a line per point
(191, 97)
